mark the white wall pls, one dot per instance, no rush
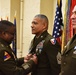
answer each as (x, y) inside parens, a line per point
(5, 9)
(63, 7)
(31, 8)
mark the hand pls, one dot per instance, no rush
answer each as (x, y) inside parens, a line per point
(27, 57)
(34, 58)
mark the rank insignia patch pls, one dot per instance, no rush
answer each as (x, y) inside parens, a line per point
(6, 56)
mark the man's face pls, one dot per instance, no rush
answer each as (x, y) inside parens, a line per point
(8, 36)
(37, 26)
(73, 17)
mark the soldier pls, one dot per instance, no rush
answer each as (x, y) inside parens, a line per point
(45, 47)
(9, 63)
(68, 66)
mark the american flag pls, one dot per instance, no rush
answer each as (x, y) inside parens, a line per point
(58, 22)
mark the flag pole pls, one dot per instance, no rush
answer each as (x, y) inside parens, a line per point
(14, 43)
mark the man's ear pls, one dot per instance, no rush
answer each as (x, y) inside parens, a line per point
(3, 33)
(45, 25)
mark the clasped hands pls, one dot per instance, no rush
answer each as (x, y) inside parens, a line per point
(31, 57)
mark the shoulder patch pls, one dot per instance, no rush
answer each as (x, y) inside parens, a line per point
(6, 56)
(53, 41)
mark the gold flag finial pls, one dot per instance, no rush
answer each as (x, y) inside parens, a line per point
(58, 2)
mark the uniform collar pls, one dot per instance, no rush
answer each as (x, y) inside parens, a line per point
(43, 34)
(3, 42)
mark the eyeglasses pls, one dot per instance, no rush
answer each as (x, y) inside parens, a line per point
(13, 34)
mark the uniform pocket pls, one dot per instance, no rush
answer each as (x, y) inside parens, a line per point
(73, 63)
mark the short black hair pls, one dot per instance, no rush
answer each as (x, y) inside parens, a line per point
(5, 25)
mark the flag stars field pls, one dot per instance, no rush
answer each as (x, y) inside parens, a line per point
(57, 30)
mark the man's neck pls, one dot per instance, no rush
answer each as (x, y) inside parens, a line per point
(38, 35)
(74, 31)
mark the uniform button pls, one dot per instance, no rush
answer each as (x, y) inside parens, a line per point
(64, 63)
(62, 71)
(66, 55)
